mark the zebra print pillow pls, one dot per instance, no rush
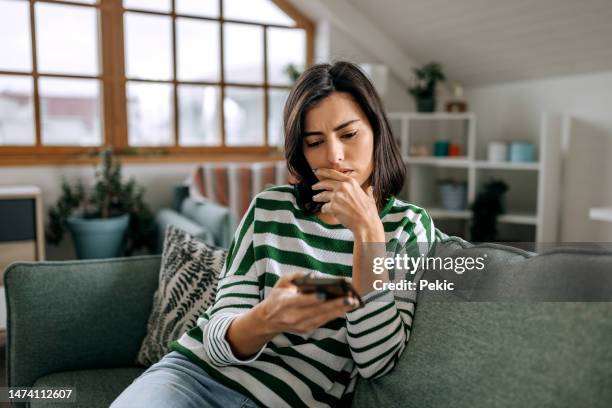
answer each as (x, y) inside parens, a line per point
(187, 287)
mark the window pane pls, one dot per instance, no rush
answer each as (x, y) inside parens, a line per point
(199, 112)
(15, 41)
(70, 111)
(243, 116)
(148, 46)
(204, 8)
(150, 5)
(276, 100)
(150, 118)
(198, 50)
(243, 53)
(67, 39)
(16, 111)
(285, 46)
(261, 11)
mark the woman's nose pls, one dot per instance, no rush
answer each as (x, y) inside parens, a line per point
(335, 152)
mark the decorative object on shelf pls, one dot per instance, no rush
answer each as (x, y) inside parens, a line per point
(98, 219)
(457, 103)
(497, 151)
(420, 150)
(454, 150)
(521, 152)
(453, 194)
(441, 148)
(424, 88)
(489, 203)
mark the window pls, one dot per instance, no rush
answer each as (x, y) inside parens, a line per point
(181, 76)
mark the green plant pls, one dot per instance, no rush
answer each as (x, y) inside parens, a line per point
(109, 197)
(426, 79)
(292, 72)
(488, 205)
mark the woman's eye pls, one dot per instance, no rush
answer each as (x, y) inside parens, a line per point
(313, 144)
(350, 135)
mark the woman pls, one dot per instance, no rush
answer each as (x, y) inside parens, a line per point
(263, 342)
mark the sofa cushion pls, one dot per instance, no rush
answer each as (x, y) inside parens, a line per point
(93, 388)
(214, 217)
(507, 352)
(187, 287)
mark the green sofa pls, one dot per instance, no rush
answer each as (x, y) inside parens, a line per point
(80, 324)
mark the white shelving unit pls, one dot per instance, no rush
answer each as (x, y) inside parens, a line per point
(532, 198)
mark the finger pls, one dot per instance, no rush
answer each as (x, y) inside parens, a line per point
(323, 196)
(332, 309)
(326, 184)
(285, 281)
(303, 300)
(337, 305)
(332, 174)
(327, 208)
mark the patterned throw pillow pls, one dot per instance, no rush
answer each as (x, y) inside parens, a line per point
(187, 287)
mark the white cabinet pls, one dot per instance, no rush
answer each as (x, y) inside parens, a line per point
(532, 200)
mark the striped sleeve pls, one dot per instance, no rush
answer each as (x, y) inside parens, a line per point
(377, 333)
(238, 291)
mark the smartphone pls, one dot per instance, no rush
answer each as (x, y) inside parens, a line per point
(331, 287)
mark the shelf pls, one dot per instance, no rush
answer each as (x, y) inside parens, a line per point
(518, 218)
(460, 161)
(484, 164)
(511, 218)
(444, 213)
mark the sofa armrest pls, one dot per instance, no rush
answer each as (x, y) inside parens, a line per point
(214, 217)
(73, 315)
(166, 216)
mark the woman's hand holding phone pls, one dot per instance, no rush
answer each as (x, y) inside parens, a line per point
(285, 309)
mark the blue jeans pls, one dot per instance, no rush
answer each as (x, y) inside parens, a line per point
(174, 381)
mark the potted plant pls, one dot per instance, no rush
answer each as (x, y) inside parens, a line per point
(109, 220)
(424, 88)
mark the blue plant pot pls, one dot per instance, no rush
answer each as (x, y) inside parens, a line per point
(98, 237)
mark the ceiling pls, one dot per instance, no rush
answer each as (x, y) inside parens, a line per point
(491, 41)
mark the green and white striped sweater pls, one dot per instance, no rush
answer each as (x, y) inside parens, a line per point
(318, 369)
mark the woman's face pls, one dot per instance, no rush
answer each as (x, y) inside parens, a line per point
(338, 136)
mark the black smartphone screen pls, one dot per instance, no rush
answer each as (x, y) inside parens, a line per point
(332, 287)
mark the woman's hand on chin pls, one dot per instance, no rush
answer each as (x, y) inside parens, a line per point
(346, 200)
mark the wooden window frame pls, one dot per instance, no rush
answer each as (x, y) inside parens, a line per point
(113, 97)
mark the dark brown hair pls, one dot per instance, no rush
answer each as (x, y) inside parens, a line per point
(316, 84)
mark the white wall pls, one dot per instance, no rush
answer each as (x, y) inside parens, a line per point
(341, 47)
(512, 111)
